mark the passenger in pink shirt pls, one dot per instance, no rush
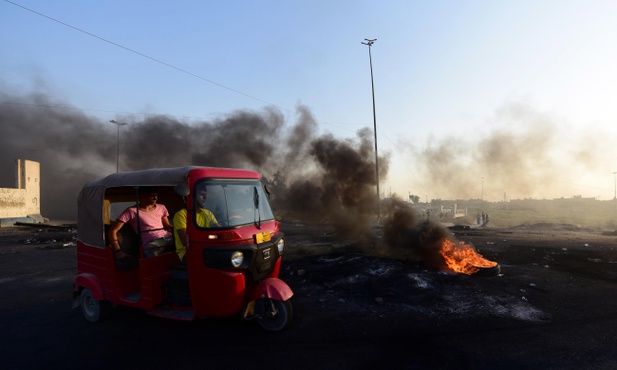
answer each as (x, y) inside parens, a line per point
(153, 224)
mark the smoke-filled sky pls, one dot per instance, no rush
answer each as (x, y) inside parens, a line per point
(334, 176)
(492, 99)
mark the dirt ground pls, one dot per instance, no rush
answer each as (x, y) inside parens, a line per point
(534, 261)
(555, 289)
(552, 305)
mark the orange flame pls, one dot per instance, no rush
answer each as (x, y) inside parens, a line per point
(463, 258)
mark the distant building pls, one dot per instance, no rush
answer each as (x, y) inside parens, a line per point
(22, 203)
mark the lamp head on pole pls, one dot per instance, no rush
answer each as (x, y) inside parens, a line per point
(369, 42)
(118, 123)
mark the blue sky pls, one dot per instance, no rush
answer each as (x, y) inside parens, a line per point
(451, 77)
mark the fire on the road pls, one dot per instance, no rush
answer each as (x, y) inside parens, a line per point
(463, 258)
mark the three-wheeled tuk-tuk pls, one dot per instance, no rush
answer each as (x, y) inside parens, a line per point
(231, 265)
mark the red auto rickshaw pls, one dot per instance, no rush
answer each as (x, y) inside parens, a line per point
(231, 268)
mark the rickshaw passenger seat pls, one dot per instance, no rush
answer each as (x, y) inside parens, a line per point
(129, 244)
(128, 240)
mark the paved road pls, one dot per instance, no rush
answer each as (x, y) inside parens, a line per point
(552, 308)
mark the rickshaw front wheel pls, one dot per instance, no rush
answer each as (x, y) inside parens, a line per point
(276, 315)
(91, 308)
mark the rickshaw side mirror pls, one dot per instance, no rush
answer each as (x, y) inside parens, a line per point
(182, 190)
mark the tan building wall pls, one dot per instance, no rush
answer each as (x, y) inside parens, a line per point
(25, 198)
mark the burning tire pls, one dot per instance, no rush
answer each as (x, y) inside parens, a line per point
(463, 258)
(489, 271)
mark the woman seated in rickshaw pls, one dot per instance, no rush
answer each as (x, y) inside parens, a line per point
(150, 221)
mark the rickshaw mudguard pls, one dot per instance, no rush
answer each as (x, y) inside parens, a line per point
(90, 282)
(272, 288)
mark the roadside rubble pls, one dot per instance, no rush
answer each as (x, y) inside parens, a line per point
(52, 237)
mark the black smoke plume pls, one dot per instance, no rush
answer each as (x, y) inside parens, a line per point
(340, 186)
(409, 236)
(317, 177)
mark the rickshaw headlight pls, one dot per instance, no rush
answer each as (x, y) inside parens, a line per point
(280, 245)
(237, 258)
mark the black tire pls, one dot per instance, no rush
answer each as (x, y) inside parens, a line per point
(489, 271)
(92, 309)
(277, 315)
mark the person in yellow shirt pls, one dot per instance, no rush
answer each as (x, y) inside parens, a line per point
(204, 217)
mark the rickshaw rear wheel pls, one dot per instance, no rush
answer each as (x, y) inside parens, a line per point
(276, 316)
(92, 309)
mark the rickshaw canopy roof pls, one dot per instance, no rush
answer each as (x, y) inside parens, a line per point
(90, 226)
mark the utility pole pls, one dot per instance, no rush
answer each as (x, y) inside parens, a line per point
(118, 124)
(369, 43)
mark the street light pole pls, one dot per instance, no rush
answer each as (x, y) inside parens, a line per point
(482, 194)
(369, 43)
(118, 124)
(615, 197)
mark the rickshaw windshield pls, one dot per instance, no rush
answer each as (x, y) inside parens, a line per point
(230, 203)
